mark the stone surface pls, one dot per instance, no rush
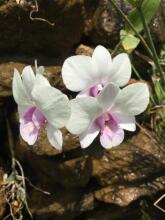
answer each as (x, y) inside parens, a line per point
(52, 72)
(54, 29)
(129, 171)
(2, 195)
(85, 181)
(104, 25)
(58, 26)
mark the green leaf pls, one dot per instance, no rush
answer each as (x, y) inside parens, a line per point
(149, 8)
(129, 42)
(159, 86)
(135, 2)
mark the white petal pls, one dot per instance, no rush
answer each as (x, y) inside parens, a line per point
(20, 95)
(40, 70)
(83, 111)
(55, 137)
(102, 62)
(28, 78)
(83, 93)
(121, 70)
(132, 100)
(76, 72)
(107, 96)
(53, 104)
(87, 137)
(126, 122)
(41, 80)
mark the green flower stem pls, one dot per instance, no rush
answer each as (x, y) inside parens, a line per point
(116, 49)
(115, 5)
(150, 41)
(136, 72)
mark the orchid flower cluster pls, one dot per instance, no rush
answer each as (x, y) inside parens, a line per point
(105, 104)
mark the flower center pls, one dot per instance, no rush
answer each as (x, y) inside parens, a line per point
(106, 121)
(34, 119)
(31, 127)
(95, 90)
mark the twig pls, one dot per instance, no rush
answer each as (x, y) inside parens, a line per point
(144, 57)
(24, 185)
(115, 50)
(6, 217)
(157, 201)
(35, 10)
(36, 188)
(144, 130)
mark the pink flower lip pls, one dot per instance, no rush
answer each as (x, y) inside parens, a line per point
(111, 134)
(31, 123)
(106, 120)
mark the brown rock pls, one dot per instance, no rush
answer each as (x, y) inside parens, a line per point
(61, 204)
(53, 29)
(84, 50)
(123, 195)
(104, 26)
(132, 170)
(158, 24)
(121, 175)
(2, 195)
(52, 72)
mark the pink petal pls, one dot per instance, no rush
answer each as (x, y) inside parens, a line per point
(28, 132)
(111, 136)
(28, 114)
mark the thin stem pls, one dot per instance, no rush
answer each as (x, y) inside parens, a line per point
(150, 41)
(115, 50)
(132, 26)
(136, 72)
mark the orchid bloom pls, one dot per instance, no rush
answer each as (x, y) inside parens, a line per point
(110, 113)
(39, 104)
(89, 75)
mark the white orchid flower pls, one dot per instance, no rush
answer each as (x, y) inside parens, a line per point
(90, 75)
(39, 104)
(112, 111)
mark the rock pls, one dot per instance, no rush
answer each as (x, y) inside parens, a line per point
(81, 180)
(106, 23)
(2, 192)
(104, 26)
(157, 26)
(111, 212)
(52, 29)
(78, 179)
(129, 171)
(84, 50)
(52, 72)
(61, 204)
(123, 195)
